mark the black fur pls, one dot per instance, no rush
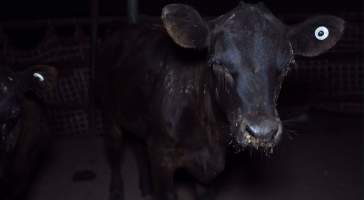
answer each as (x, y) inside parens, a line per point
(187, 91)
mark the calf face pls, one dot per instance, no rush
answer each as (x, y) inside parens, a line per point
(249, 53)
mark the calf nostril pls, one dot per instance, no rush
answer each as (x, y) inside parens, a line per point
(250, 131)
(273, 133)
(256, 131)
(262, 132)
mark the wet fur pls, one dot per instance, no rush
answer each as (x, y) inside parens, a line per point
(182, 111)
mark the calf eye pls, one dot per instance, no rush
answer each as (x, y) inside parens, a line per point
(223, 72)
(321, 33)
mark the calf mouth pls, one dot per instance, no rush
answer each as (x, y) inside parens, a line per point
(244, 140)
(249, 140)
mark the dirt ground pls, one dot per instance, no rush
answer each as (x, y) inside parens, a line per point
(320, 160)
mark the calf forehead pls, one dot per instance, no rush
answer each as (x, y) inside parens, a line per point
(251, 25)
(250, 36)
(249, 17)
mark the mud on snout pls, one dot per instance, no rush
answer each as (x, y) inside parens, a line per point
(262, 135)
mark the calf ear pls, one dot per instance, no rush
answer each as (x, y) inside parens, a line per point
(316, 35)
(185, 26)
(40, 77)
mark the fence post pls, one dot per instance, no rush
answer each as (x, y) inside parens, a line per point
(132, 11)
(93, 54)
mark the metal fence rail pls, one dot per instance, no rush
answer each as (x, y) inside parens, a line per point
(336, 76)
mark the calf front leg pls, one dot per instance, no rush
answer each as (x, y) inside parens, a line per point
(162, 178)
(114, 147)
(204, 192)
(141, 156)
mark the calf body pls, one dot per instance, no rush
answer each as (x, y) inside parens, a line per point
(188, 87)
(167, 104)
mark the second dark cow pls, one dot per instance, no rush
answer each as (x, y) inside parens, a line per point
(188, 87)
(24, 130)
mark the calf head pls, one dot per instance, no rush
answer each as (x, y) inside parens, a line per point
(249, 53)
(14, 86)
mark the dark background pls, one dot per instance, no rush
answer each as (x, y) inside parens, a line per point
(34, 9)
(322, 160)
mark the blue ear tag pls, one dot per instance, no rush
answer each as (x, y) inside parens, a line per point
(38, 76)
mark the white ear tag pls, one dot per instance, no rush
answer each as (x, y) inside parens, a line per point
(38, 76)
(321, 33)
